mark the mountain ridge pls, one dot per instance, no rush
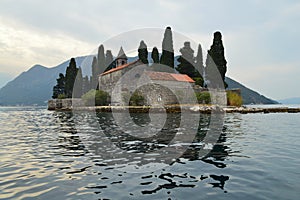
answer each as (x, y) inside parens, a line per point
(34, 86)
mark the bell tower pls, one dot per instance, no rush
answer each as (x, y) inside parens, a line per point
(121, 58)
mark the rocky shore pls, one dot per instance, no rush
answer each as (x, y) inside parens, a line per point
(207, 109)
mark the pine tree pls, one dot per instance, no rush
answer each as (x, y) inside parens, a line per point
(216, 53)
(71, 73)
(109, 60)
(167, 56)
(59, 88)
(155, 55)
(143, 52)
(186, 61)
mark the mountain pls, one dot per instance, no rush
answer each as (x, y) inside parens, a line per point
(34, 87)
(295, 100)
(249, 96)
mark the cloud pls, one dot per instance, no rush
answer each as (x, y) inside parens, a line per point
(255, 34)
(22, 48)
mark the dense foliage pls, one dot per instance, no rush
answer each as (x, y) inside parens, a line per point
(234, 99)
(96, 98)
(167, 56)
(70, 78)
(203, 97)
(143, 52)
(59, 88)
(216, 59)
(155, 55)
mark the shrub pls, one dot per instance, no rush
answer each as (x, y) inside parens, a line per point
(198, 81)
(234, 99)
(61, 96)
(96, 98)
(137, 99)
(203, 97)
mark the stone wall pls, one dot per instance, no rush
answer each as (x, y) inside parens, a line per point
(64, 104)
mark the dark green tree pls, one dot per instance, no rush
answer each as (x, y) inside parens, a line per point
(71, 73)
(143, 52)
(186, 61)
(59, 88)
(216, 57)
(77, 90)
(167, 56)
(101, 60)
(155, 55)
(109, 60)
(95, 73)
(85, 84)
(199, 61)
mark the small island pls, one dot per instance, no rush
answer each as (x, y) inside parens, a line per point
(159, 84)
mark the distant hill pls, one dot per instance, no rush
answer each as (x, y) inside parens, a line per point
(34, 87)
(249, 96)
(295, 100)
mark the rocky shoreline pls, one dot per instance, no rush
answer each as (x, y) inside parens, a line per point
(204, 109)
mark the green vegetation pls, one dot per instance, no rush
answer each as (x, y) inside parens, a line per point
(189, 65)
(137, 99)
(215, 57)
(199, 68)
(167, 56)
(59, 88)
(70, 77)
(203, 97)
(96, 97)
(234, 99)
(155, 55)
(143, 52)
(199, 81)
(61, 96)
(109, 60)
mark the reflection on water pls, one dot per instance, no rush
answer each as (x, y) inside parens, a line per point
(123, 140)
(46, 155)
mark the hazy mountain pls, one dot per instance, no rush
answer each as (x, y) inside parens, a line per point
(249, 96)
(35, 85)
(295, 100)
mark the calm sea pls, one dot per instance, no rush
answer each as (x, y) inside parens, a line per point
(43, 156)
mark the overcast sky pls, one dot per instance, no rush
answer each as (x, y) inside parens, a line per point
(261, 38)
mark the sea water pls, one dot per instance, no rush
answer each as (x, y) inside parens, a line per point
(43, 156)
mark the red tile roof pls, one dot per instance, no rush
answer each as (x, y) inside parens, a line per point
(118, 68)
(169, 76)
(183, 77)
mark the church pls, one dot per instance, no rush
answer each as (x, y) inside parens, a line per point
(158, 87)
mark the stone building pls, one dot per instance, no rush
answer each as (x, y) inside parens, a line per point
(157, 88)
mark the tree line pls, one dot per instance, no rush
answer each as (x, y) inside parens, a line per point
(189, 64)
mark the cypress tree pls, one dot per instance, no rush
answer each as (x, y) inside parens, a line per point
(95, 73)
(71, 73)
(143, 52)
(109, 60)
(85, 84)
(186, 61)
(59, 88)
(78, 85)
(167, 56)
(199, 62)
(101, 60)
(216, 53)
(155, 55)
